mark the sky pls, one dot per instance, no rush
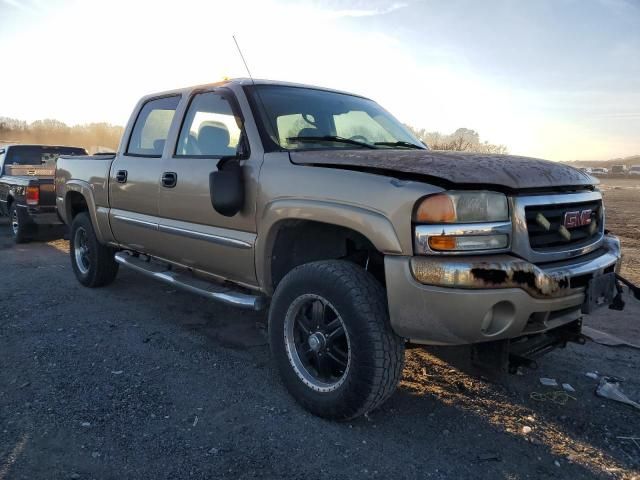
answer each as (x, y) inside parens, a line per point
(556, 79)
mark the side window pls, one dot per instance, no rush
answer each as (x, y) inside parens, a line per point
(152, 127)
(210, 128)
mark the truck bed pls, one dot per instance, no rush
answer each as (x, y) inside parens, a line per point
(89, 170)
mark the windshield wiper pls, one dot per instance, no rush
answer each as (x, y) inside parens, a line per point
(400, 144)
(330, 138)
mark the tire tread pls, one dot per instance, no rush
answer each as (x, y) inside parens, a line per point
(385, 347)
(106, 268)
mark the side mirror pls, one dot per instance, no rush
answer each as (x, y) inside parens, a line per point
(226, 187)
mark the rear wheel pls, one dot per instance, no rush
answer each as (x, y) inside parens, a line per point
(17, 225)
(92, 262)
(331, 339)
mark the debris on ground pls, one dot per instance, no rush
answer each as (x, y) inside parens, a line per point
(489, 456)
(634, 443)
(548, 382)
(559, 397)
(568, 388)
(604, 338)
(610, 388)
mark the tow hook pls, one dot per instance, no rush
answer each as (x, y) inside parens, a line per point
(618, 303)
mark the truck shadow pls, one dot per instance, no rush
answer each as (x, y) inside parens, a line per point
(576, 432)
(443, 400)
(44, 233)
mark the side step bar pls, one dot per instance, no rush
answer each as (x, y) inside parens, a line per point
(186, 281)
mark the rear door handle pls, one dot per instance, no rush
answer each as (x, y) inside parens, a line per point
(169, 179)
(121, 176)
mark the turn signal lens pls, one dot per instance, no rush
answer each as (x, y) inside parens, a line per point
(442, 243)
(468, 243)
(436, 209)
(33, 195)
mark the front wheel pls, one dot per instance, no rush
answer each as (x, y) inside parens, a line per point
(331, 339)
(92, 262)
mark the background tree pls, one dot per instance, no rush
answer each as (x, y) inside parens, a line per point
(462, 140)
(95, 137)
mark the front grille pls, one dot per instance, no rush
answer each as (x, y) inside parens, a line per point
(550, 236)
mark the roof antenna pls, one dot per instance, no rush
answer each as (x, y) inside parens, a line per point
(273, 134)
(243, 60)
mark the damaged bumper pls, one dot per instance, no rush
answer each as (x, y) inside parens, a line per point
(462, 300)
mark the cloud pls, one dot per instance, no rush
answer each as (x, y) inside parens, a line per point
(619, 5)
(623, 115)
(366, 12)
(30, 6)
(14, 4)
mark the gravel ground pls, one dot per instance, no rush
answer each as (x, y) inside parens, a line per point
(137, 380)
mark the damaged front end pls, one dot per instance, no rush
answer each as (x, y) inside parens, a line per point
(593, 276)
(552, 280)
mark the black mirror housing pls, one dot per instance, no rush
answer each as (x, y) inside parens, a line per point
(226, 187)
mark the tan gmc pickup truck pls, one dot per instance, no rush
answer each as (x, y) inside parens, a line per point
(320, 206)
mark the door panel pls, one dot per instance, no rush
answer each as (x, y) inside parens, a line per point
(193, 233)
(134, 204)
(198, 236)
(135, 176)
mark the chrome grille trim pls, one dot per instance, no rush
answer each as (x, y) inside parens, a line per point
(520, 244)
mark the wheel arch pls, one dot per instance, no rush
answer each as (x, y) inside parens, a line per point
(79, 198)
(301, 231)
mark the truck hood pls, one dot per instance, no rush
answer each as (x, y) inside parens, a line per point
(473, 169)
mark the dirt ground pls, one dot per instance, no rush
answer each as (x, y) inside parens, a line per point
(622, 199)
(137, 380)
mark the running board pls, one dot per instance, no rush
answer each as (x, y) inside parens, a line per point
(186, 281)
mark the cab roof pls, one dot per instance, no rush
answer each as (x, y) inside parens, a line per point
(242, 82)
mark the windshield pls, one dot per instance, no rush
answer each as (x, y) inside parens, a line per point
(38, 155)
(296, 118)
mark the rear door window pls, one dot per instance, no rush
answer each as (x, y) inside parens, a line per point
(152, 126)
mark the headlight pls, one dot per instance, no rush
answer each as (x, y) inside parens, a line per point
(463, 207)
(461, 222)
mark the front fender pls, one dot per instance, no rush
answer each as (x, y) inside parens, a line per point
(377, 228)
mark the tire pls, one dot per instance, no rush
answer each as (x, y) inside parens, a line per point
(92, 262)
(316, 370)
(17, 225)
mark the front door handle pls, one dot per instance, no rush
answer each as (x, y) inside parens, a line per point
(169, 179)
(121, 176)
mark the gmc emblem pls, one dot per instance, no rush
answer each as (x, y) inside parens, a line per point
(579, 218)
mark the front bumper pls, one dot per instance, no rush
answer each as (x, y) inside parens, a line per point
(464, 300)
